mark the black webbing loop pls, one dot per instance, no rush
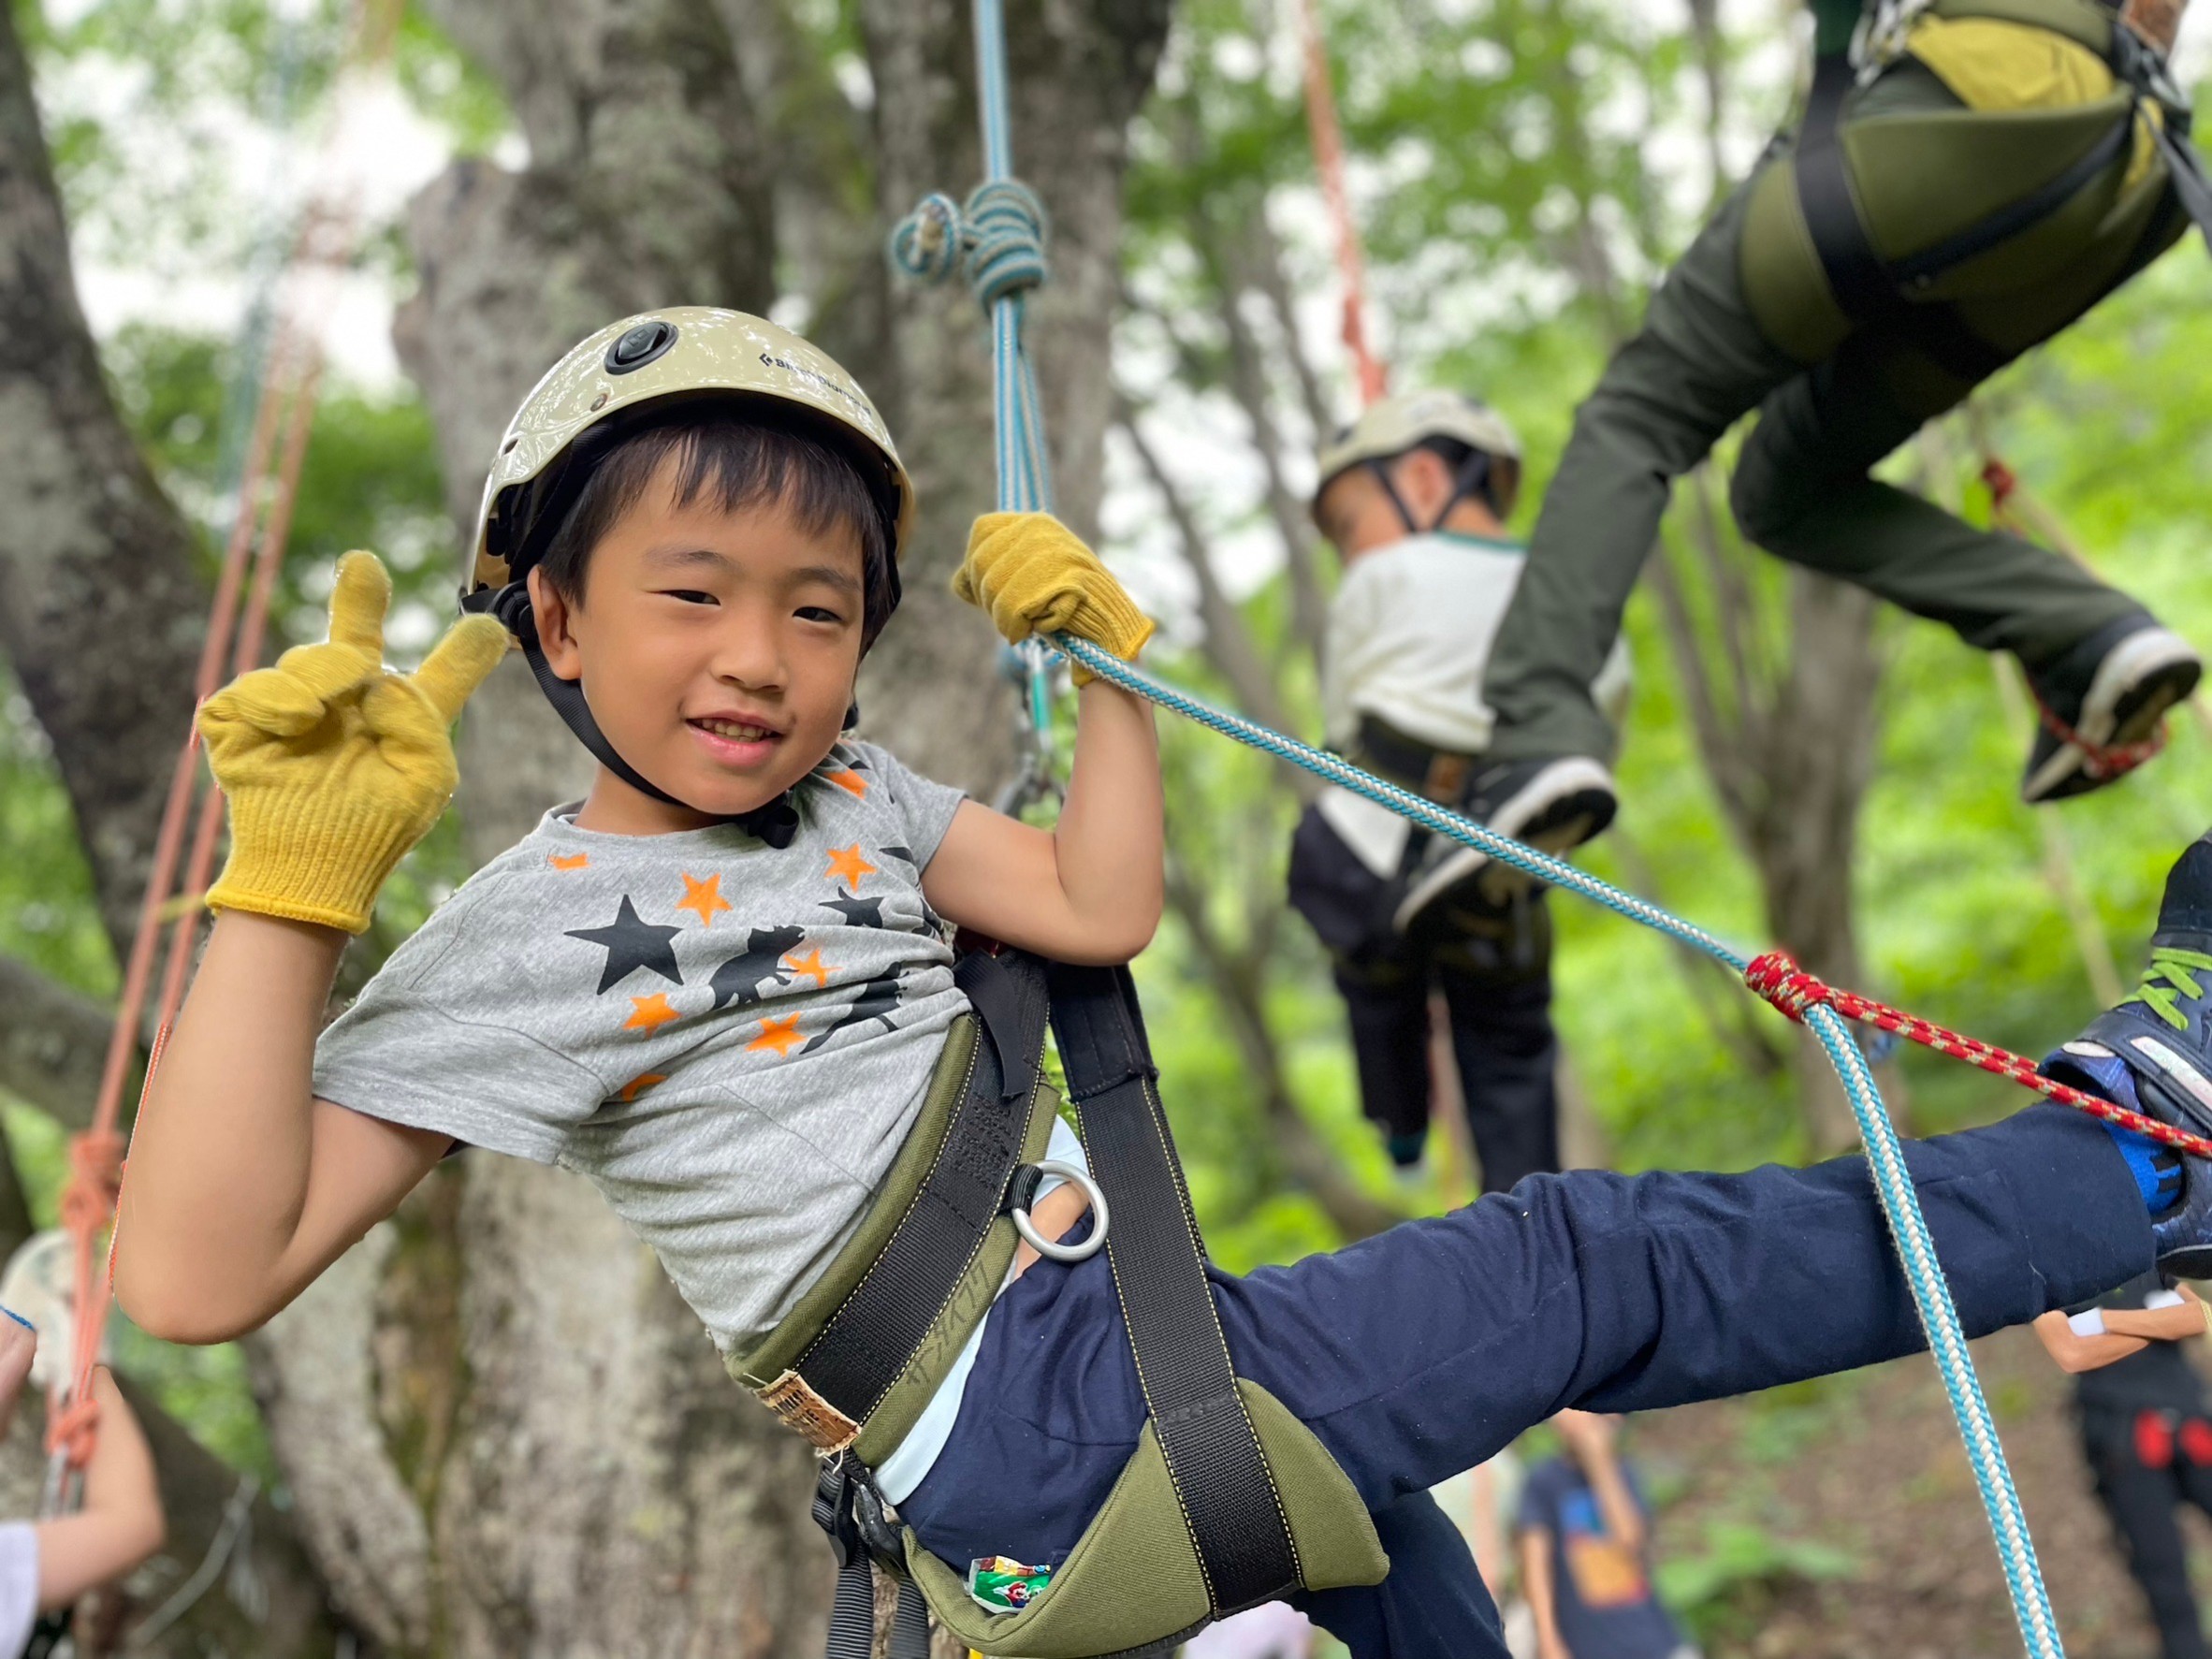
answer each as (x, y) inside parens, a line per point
(868, 1343)
(1868, 289)
(1220, 1474)
(909, 1624)
(1854, 271)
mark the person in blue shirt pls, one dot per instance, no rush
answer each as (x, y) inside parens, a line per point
(1586, 1551)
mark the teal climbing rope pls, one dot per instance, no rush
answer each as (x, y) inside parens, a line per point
(996, 240)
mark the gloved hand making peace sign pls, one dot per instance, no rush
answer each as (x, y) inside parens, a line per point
(334, 765)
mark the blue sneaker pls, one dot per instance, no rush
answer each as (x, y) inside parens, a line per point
(2151, 1052)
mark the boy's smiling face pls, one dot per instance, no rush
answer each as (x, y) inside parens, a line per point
(718, 648)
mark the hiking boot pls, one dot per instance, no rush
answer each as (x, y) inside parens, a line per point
(1551, 804)
(2103, 704)
(2152, 1052)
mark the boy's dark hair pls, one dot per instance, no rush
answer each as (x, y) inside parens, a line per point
(725, 455)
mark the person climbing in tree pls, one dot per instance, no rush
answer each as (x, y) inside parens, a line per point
(45, 1566)
(1586, 1551)
(691, 528)
(2145, 1430)
(1414, 496)
(1991, 170)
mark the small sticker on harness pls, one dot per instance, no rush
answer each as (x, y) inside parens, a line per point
(820, 1424)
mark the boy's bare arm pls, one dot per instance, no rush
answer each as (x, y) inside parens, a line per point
(242, 1186)
(121, 1524)
(1088, 890)
(1535, 1582)
(1091, 890)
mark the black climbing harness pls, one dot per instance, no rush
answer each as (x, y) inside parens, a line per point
(1869, 288)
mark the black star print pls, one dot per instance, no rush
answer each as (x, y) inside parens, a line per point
(858, 912)
(630, 944)
(904, 854)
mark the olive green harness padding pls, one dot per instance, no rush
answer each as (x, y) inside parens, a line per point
(1922, 175)
(887, 1425)
(1132, 1581)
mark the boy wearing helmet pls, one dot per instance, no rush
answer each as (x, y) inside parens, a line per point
(719, 986)
(1414, 495)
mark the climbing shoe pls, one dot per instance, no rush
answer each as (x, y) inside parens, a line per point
(1550, 803)
(2101, 707)
(2151, 1052)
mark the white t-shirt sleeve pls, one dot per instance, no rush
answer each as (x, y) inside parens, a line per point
(18, 1584)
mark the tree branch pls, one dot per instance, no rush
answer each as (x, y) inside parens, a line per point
(53, 1042)
(1228, 645)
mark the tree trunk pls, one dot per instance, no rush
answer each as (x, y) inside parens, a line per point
(1817, 758)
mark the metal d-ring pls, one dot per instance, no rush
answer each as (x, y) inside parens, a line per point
(1053, 1247)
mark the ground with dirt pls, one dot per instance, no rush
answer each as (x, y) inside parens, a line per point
(1839, 1519)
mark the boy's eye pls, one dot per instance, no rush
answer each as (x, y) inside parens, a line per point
(816, 613)
(690, 595)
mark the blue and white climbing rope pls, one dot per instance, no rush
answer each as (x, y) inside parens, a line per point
(997, 240)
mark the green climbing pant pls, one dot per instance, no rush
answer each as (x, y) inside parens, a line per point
(1801, 490)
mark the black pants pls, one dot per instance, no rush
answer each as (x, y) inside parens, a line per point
(1493, 966)
(2144, 1473)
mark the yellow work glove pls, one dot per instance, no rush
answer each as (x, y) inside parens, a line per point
(335, 765)
(1033, 575)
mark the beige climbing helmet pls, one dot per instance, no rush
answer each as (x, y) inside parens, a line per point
(1389, 427)
(607, 381)
(608, 386)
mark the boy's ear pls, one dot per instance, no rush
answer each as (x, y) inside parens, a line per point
(553, 615)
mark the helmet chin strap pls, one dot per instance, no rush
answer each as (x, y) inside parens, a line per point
(1471, 479)
(776, 822)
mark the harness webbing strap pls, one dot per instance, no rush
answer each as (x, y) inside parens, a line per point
(1221, 1476)
(869, 1342)
(1856, 274)
(1868, 288)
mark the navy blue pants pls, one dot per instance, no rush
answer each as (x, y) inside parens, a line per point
(1421, 1352)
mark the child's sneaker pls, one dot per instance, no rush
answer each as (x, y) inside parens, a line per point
(2101, 704)
(2152, 1052)
(1551, 803)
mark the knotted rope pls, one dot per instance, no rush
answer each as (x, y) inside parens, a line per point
(1794, 992)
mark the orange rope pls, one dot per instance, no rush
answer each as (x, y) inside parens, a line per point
(1351, 265)
(285, 409)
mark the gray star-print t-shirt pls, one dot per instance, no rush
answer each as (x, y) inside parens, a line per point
(730, 1040)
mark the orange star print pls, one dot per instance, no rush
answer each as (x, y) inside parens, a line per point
(850, 782)
(570, 864)
(810, 964)
(649, 1013)
(778, 1037)
(638, 1084)
(846, 864)
(704, 898)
